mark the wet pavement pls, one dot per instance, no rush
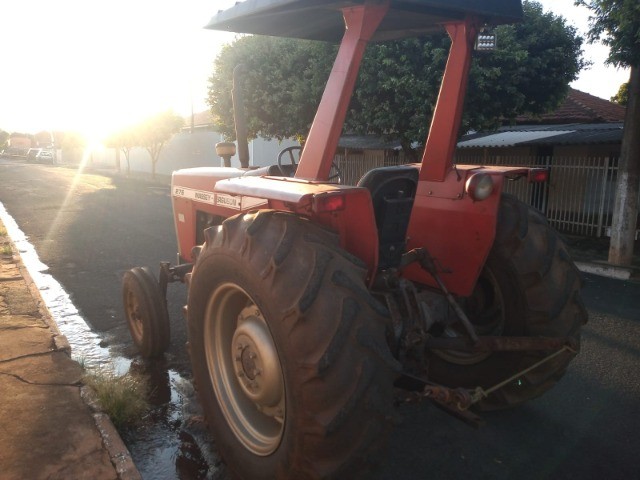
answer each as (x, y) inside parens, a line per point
(79, 276)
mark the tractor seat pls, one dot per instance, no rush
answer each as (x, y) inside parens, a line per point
(393, 191)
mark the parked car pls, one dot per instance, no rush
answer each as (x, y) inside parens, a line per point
(46, 156)
(32, 154)
(41, 155)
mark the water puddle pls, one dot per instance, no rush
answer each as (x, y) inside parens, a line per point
(173, 442)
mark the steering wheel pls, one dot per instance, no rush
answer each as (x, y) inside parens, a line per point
(335, 174)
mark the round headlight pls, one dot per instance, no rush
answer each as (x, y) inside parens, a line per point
(479, 186)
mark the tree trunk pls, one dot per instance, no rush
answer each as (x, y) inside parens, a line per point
(126, 155)
(117, 159)
(625, 211)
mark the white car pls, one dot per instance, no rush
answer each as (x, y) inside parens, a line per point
(46, 156)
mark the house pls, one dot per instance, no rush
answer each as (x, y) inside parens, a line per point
(583, 125)
(18, 145)
(580, 144)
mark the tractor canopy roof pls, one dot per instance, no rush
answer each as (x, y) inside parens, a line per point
(322, 19)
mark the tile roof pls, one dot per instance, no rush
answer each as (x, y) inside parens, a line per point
(579, 107)
(200, 119)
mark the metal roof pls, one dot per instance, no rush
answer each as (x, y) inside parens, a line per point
(507, 139)
(572, 134)
(367, 142)
(322, 19)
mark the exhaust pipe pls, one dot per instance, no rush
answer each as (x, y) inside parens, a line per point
(239, 117)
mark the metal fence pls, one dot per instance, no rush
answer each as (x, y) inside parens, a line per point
(354, 166)
(580, 193)
(578, 198)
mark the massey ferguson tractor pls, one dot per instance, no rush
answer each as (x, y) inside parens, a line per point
(313, 305)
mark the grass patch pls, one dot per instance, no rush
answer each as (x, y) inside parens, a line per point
(3, 231)
(6, 249)
(123, 398)
(82, 361)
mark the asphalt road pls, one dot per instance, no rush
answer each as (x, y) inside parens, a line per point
(89, 229)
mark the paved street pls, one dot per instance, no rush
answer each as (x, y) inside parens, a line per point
(89, 229)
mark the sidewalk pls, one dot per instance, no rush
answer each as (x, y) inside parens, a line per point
(591, 254)
(47, 428)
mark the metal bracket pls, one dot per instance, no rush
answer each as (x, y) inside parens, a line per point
(169, 274)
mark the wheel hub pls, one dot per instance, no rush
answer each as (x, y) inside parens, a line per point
(248, 361)
(256, 360)
(245, 370)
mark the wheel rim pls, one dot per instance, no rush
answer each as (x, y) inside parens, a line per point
(245, 369)
(133, 314)
(485, 309)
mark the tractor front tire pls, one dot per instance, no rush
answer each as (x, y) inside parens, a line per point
(145, 311)
(288, 350)
(529, 287)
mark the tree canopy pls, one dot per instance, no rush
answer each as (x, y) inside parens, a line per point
(4, 137)
(617, 24)
(399, 81)
(154, 133)
(151, 134)
(622, 97)
(282, 86)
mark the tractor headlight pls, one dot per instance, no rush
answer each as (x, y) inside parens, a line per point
(479, 186)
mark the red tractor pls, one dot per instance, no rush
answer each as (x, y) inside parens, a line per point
(311, 304)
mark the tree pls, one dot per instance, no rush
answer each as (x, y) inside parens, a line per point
(622, 97)
(399, 81)
(4, 137)
(282, 87)
(155, 132)
(617, 23)
(528, 73)
(124, 140)
(73, 145)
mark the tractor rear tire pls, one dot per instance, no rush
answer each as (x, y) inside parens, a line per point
(288, 350)
(145, 311)
(537, 287)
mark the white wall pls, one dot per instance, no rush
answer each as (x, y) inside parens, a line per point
(195, 149)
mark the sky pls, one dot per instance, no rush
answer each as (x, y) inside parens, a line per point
(96, 66)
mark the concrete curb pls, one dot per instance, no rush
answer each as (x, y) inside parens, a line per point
(605, 270)
(118, 452)
(111, 440)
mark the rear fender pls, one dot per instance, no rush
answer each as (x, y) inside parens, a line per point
(457, 231)
(346, 210)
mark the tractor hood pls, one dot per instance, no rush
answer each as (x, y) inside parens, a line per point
(322, 19)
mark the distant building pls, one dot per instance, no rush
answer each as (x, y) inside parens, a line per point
(194, 146)
(44, 139)
(18, 144)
